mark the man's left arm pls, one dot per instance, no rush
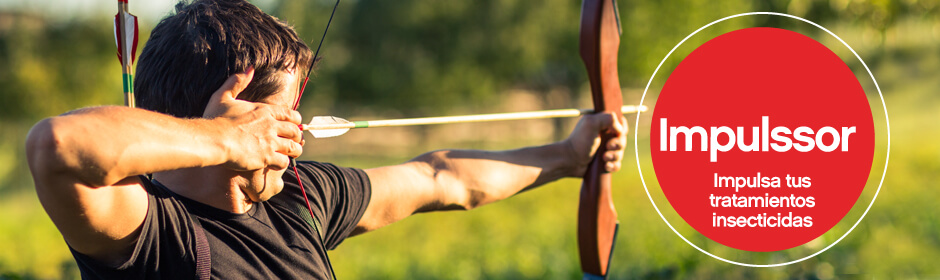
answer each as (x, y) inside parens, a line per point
(466, 179)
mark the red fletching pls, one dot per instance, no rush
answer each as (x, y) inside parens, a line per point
(118, 37)
(126, 32)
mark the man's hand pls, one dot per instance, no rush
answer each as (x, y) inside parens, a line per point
(257, 135)
(585, 140)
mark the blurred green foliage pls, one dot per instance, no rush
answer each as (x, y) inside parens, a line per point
(409, 58)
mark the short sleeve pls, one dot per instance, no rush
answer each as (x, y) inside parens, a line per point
(164, 249)
(338, 198)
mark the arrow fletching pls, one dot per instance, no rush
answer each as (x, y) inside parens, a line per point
(125, 36)
(327, 126)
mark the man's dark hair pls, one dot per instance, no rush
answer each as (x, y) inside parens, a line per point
(191, 53)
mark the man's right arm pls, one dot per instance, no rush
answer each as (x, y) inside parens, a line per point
(84, 163)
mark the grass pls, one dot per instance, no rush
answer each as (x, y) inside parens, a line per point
(532, 235)
(32, 247)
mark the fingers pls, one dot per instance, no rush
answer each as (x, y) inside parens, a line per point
(234, 85)
(241, 81)
(618, 126)
(284, 150)
(289, 148)
(613, 159)
(624, 125)
(287, 128)
(600, 122)
(275, 155)
(229, 90)
(279, 163)
(611, 124)
(618, 133)
(282, 113)
(290, 141)
(289, 131)
(602, 136)
(614, 127)
(614, 144)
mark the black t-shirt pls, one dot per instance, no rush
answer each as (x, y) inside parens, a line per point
(273, 240)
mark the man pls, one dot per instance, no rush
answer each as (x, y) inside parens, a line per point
(219, 80)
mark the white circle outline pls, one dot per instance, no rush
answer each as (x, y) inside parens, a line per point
(636, 134)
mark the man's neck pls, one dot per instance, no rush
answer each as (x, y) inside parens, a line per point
(216, 187)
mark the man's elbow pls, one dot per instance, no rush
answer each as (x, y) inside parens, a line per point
(42, 147)
(454, 188)
(47, 151)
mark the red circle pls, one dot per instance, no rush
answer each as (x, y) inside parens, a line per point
(736, 80)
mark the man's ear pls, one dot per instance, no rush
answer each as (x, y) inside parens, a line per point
(229, 90)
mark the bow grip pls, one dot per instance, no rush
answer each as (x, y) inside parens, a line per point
(597, 218)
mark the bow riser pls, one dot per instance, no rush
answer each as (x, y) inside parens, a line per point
(597, 219)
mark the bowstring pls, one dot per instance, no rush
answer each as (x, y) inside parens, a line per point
(316, 58)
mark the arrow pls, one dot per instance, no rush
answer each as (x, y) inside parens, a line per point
(329, 126)
(125, 36)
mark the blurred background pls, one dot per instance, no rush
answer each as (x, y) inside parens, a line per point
(409, 58)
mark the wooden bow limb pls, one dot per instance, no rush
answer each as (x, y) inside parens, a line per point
(597, 219)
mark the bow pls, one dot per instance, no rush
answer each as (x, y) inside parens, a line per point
(597, 219)
(125, 36)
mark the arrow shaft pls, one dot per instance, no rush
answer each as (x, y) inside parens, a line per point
(560, 113)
